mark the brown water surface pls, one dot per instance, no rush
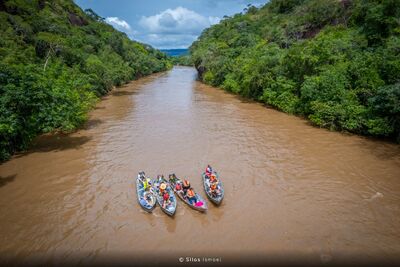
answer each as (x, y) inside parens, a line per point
(291, 189)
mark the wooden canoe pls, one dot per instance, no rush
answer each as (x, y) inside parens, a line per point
(146, 198)
(215, 198)
(170, 207)
(200, 204)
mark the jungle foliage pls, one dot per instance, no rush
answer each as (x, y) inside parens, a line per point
(182, 60)
(55, 61)
(336, 62)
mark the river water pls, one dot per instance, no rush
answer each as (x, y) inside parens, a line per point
(292, 190)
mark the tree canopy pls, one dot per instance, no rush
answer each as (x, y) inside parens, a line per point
(55, 61)
(336, 62)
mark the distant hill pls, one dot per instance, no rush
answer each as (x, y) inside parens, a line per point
(175, 52)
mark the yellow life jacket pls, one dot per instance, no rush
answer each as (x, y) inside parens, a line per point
(146, 183)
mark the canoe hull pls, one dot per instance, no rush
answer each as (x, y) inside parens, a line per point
(216, 200)
(171, 208)
(146, 199)
(179, 194)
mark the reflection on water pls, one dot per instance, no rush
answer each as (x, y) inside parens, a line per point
(289, 187)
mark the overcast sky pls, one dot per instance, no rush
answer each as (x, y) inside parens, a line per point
(165, 23)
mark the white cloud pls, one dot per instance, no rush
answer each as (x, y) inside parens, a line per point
(167, 41)
(177, 21)
(174, 28)
(213, 3)
(119, 24)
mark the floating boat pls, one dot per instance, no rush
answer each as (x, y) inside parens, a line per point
(217, 196)
(146, 198)
(199, 205)
(169, 207)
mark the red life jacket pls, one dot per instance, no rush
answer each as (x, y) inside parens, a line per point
(166, 196)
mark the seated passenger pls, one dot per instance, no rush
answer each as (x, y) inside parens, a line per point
(166, 199)
(191, 196)
(146, 184)
(163, 186)
(178, 187)
(166, 196)
(186, 186)
(214, 189)
(213, 178)
(208, 171)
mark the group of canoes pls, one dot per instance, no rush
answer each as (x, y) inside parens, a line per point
(162, 191)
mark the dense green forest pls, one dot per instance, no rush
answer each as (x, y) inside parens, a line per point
(55, 61)
(336, 62)
(182, 60)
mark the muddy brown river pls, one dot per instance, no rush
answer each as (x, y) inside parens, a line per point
(292, 191)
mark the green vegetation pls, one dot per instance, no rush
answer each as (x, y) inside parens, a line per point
(55, 61)
(336, 62)
(183, 60)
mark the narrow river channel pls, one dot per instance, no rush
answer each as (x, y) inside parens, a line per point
(291, 189)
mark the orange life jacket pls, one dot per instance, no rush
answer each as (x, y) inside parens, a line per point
(190, 193)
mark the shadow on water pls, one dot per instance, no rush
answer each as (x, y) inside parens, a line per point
(90, 124)
(55, 142)
(7, 179)
(170, 224)
(124, 93)
(60, 141)
(381, 149)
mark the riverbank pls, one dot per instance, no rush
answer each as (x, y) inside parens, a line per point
(328, 68)
(89, 104)
(49, 82)
(300, 116)
(326, 196)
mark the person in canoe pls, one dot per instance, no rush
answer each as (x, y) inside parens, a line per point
(147, 198)
(191, 196)
(166, 199)
(214, 189)
(164, 194)
(146, 184)
(163, 186)
(208, 171)
(185, 186)
(213, 178)
(178, 187)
